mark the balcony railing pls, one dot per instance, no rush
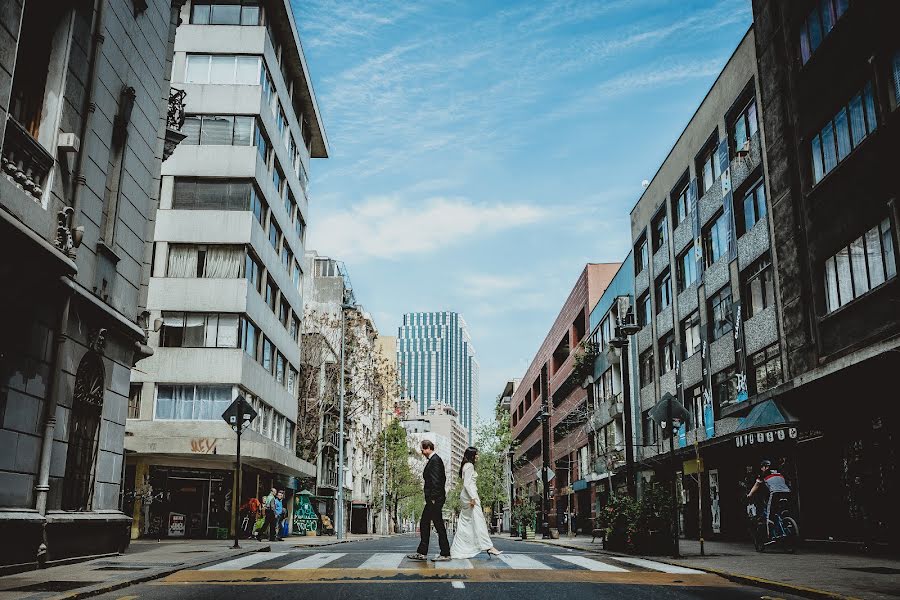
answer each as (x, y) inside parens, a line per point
(174, 122)
(24, 160)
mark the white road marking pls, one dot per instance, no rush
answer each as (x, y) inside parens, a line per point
(521, 561)
(656, 566)
(315, 561)
(590, 564)
(383, 561)
(453, 563)
(458, 585)
(244, 561)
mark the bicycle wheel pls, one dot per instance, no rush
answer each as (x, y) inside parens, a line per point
(792, 534)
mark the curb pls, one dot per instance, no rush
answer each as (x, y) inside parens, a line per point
(778, 586)
(111, 586)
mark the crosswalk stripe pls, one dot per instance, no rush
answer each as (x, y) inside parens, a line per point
(656, 566)
(521, 561)
(315, 561)
(383, 561)
(454, 563)
(244, 561)
(589, 564)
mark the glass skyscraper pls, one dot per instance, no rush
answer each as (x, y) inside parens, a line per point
(437, 363)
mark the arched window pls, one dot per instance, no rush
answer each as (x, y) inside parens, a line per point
(84, 427)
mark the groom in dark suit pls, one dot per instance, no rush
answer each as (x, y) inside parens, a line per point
(435, 495)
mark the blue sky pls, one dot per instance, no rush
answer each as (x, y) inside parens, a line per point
(483, 152)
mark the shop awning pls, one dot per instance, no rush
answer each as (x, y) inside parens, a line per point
(766, 414)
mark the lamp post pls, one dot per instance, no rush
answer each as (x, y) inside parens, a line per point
(512, 495)
(339, 510)
(625, 329)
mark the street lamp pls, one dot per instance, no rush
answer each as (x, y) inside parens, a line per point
(512, 496)
(339, 510)
(626, 328)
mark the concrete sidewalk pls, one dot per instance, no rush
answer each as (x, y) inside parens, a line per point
(145, 560)
(811, 572)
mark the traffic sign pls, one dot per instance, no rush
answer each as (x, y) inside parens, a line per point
(550, 473)
(241, 412)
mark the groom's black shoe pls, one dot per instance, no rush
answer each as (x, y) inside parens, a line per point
(416, 556)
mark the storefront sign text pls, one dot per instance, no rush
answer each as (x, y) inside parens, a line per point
(766, 437)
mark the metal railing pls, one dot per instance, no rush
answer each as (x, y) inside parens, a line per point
(24, 160)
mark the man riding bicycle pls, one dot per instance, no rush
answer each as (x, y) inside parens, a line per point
(775, 485)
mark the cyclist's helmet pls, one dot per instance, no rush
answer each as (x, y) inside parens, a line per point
(765, 463)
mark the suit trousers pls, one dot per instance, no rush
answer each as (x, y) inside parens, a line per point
(433, 513)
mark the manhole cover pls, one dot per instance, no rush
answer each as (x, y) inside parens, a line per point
(122, 568)
(53, 586)
(875, 570)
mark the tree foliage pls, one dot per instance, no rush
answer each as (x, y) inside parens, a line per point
(401, 482)
(493, 440)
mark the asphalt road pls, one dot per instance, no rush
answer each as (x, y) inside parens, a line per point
(379, 569)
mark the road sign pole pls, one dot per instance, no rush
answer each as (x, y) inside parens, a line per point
(237, 477)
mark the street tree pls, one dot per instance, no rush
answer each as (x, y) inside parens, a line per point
(401, 482)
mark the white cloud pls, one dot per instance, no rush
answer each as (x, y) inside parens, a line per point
(388, 228)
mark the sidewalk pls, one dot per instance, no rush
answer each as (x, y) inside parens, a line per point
(144, 560)
(811, 572)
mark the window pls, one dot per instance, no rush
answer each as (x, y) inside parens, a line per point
(291, 379)
(895, 79)
(299, 225)
(297, 276)
(250, 335)
(693, 399)
(192, 402)
(210, 262)
(270, 97)
(644, 310)
(278, 179)
(199, 330)
(764, 369)
(280, 365)
(745, 125)
(687, 268)
(680, 205)
(667, 353)
(865, 264)
(641, 255)
(268, 357)
(690, 333)
(218, 130)
(724, 387)
(258, 206)
(715, 240)
(284, 312)
(212, 194)
(708, 169)
(663, 291)
(759, 286)
(844, 132)
(287, 257)
(659, 228)
(819, 24)
(134, 401)
(280, 118)
(274, 234)
(245, 12)
(222, 69)
(253, 272)
(720, 312)
(754, 205)
(263, 147)
(646, 367)
(271, 293)
(651, 434)
(294, 328)
(289, 204)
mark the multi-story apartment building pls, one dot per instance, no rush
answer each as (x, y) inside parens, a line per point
(608, 427)
(225, 287)
(830, 92)
(542, 405)
(83, 106)
(504, 403)
(705, 296)
(437, 363)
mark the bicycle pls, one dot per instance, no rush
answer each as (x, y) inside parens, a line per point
(781, 528)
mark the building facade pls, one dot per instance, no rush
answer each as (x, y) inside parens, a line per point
(830, 91)
(437, 363)
(548, 405)
(84, 100)
(225, 291)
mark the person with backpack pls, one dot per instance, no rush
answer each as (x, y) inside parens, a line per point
(271, 516)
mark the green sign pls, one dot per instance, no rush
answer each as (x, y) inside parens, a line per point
(305, 518)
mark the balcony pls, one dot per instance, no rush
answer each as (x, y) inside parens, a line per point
(174, 122)
(616, 406)
(24, 160)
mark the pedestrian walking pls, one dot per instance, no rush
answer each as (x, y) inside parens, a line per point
(435, 483)
(279, 515)
(270, 522)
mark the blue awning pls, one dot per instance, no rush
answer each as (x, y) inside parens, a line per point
(765, 414)
(579, 485)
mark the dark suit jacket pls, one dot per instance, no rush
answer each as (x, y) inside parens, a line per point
(435, 479)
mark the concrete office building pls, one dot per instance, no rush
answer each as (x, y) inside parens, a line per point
(225, 287)
(705, 290)
(548, 388)
(437, 363)
(84, 90)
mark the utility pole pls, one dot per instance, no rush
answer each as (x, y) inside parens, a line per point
(339, 510)
(675, 550)
(629, 433)
(545, 451)
(384, 481)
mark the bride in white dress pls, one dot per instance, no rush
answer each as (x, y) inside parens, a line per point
(472, 535)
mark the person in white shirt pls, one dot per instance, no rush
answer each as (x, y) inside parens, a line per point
(472, 535)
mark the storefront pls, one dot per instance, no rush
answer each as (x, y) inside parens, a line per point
(188, 503)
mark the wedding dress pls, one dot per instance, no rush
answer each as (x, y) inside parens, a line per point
(472, 535)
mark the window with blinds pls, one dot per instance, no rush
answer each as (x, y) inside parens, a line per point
(844, 132)
(863, 265)
(212, 194)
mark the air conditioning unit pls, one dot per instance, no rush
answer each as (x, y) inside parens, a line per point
(744, 150)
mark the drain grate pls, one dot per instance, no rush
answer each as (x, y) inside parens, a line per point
(875, 570)
(53, 586)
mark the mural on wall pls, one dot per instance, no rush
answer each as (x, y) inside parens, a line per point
(305, 518)
(714, 501)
